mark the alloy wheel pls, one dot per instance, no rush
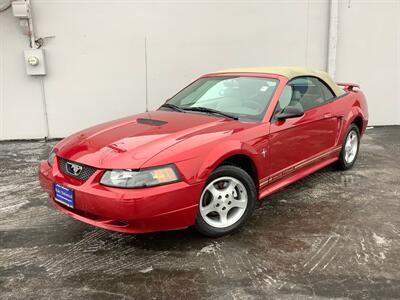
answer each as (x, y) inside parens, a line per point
(351, 147)
(223, 202)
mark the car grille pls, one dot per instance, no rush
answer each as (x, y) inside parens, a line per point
(85, 173)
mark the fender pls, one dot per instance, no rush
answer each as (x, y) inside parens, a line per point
(224, 151)
(358, 109)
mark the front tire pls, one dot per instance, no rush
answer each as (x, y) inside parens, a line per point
(227, 201)
(350, 147)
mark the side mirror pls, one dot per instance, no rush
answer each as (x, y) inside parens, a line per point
(290, 112)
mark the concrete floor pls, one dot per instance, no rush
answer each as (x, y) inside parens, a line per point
(333, 234)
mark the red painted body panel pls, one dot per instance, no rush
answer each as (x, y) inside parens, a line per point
(294, 140)
(126, 210)
(196, 144)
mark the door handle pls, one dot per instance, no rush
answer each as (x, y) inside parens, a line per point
(327, 115)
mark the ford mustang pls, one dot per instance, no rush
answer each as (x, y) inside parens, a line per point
(209, 153)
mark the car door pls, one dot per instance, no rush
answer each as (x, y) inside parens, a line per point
(295, 141)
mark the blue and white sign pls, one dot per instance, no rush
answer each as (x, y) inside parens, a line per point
(64, 195)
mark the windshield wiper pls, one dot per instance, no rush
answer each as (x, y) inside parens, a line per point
(173, 107)
(211, 111)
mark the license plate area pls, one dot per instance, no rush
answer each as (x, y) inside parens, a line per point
(64, 195)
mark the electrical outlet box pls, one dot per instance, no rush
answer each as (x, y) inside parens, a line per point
(35, 62)
(21, 9)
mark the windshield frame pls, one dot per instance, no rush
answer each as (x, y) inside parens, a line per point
(241, 118)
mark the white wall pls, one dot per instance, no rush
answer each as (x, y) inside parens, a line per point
(369, 54)
(21, 111)
(96, 66)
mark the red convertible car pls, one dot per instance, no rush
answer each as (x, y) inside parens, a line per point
(209, 153)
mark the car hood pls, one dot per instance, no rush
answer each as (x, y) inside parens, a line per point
(129, 142)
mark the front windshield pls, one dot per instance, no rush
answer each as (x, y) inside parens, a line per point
(246, 98)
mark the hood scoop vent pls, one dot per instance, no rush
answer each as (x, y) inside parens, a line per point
(151, 122)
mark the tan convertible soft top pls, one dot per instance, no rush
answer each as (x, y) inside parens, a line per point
(291, 72)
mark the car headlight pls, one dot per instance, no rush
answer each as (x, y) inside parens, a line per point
(141, 178)
(51, 157)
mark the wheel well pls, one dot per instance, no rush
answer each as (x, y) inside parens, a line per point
(358, 121)
(244, 162)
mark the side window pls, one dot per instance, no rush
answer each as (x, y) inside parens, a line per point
(308, 92)
(284, 99)
(326, 91)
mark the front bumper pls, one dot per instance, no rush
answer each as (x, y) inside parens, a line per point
(167, 207)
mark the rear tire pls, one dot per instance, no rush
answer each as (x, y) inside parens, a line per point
(227, 201)
(348, 154)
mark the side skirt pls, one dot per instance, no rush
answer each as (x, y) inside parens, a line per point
(303, 172)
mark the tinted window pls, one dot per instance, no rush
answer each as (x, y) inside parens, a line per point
(308, 92)
(284, 99)
(328, 95)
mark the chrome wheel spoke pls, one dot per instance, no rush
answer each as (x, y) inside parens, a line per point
(207, 209)
(212, 189)
(230, 189)
(239, 203)
(352, 138)
(348, 145)
(223, 215)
